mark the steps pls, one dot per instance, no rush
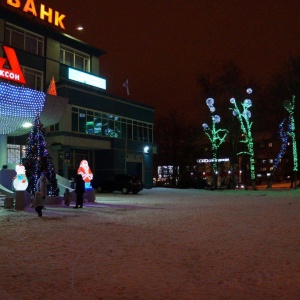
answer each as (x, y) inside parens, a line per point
(2, 198)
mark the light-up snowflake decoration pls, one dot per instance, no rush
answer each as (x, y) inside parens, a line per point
(244, 116)
(216, 136)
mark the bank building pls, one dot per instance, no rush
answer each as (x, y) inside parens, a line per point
(82, 121)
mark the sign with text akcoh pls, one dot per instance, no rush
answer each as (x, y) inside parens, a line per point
(40, 11)
(15, 72)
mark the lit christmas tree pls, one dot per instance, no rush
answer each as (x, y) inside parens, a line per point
(38, 160)
(52, 87)
(216, 136)
(246, 126)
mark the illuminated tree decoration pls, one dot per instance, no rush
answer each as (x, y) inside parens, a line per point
(290, 107)
(17, 106)
(243, 116)
(52, 87)
(284, 138)
(216, 136)
(37, 160)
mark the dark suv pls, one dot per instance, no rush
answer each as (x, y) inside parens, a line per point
(123, 183)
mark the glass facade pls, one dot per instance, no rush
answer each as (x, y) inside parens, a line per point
(23, 39)
(15, 153)
(34, 78)
(108, 125)
(74, 58)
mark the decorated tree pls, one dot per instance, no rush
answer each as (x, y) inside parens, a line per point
(216, 136)
(284, 139)
(37, 160)
(243, 116)
(290, 107)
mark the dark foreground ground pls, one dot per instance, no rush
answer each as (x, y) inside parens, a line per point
(159, 244)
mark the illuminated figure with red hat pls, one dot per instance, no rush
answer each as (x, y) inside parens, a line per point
(86, 173)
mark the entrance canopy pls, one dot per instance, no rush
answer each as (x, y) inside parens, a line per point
(19, 105)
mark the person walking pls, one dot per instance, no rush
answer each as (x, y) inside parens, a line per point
(67, 197)
(42, 185)
(79, 190)
(38, 203)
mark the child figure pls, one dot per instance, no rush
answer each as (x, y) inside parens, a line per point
(38, 203)
(67, 197)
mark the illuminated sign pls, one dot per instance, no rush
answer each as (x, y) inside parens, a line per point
(206, 160)
(48, 14)
(87, 78)
(15, 72)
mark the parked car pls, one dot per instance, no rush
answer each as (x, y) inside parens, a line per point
(123, 183)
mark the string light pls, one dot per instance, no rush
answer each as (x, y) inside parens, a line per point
(284, 138)
(38, 160)
(216, 136)
(290, 107)
(18, 105)
(243, 117)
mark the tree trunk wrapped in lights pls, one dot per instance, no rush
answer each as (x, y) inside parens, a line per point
(216, 136)
(290, 107)
(246, 126)
(284, 138)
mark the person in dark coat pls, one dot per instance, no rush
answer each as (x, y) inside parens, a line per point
(79, 190)
(42, 185)
(67, 197)
(38, 203)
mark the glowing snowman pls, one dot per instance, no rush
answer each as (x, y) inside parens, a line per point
(20, 182)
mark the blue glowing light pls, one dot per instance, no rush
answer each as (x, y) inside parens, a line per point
(18, 105)
(209, 102)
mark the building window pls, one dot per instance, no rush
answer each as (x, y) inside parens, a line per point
(108, 125)
(74, 58)
(15, 153)
(270, 161)
(23, 39)
(270, 145)
(34, 78)
(129, 129)
(54, 127)
(74, 119)
(82, 125)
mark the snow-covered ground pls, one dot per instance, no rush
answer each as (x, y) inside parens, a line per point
(159, 244)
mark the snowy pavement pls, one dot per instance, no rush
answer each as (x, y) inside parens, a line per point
(159, 244)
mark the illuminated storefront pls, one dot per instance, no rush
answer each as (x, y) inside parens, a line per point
(83, 121)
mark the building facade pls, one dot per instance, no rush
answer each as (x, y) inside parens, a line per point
(82, 121)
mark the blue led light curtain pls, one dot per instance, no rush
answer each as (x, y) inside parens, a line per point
(17, 106)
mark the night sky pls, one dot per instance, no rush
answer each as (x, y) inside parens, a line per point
(162, 46)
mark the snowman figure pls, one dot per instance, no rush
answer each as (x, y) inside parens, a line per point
(20, 181)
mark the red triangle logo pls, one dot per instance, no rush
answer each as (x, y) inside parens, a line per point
(15, 72)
